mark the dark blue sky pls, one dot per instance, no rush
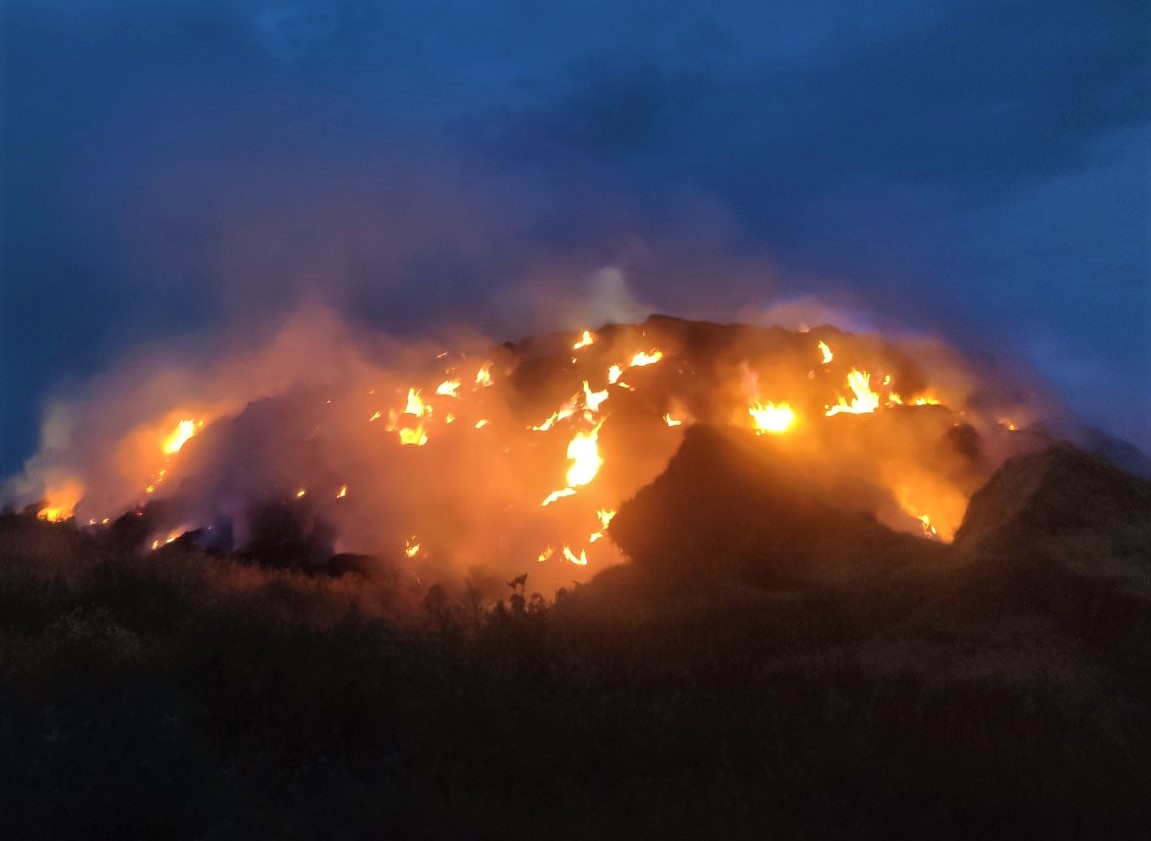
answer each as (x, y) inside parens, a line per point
(973, 168)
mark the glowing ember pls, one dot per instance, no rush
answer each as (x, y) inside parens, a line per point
(865, 400)
(772, 417)
(545, 554)
(180, 435)
(928, 529)
(412, 546)
(342, 492)
(826, 352)
(670, 421)
(301, 493)
(578, 560)
(481, 423)
(375, 416)
(584, 340)
(449, 388)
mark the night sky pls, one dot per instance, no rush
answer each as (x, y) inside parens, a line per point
(975, 170)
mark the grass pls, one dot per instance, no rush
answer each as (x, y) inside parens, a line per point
(181, 696)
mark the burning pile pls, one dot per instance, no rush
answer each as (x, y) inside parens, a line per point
(518, 457)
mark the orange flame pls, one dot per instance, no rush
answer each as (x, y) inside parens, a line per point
(578, 560)
(179, 436)
(584, 340)
(649, 358)
(449, 388)
(865, 400)
(826, 352)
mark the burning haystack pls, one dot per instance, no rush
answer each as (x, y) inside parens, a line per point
(517, 457)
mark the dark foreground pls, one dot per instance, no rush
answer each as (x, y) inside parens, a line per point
(180, 696)
(768, 667)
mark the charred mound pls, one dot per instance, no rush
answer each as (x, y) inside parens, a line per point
(733, 506)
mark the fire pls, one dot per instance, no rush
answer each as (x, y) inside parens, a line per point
(179, 436)
(481, 423)
(342, 492)
(60, 501)
(172, 535)
(415, 405)
(545, 554)
(301, 493)
(649, 358)
(670, 421)
(584, 340)
(484, 375)
(554, 495)
(928, 529)
(826, 352)
(605, 516)
(613, 374)
(583, 453)
(449, 388)
(578, 560)
(772, 417)
(412, 546)
(415, 436)
(865, 400)
(593, 399)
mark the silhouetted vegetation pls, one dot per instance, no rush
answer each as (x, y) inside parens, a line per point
(180, 695)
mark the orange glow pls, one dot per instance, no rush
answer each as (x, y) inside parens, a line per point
(670, 421)
(826, 352)
(412, 546)
(772, 417)
(864, 400)
(928, 529)
(584, 340)
(545, 554)
(301, 493)
(481, 423)
(342, 492)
